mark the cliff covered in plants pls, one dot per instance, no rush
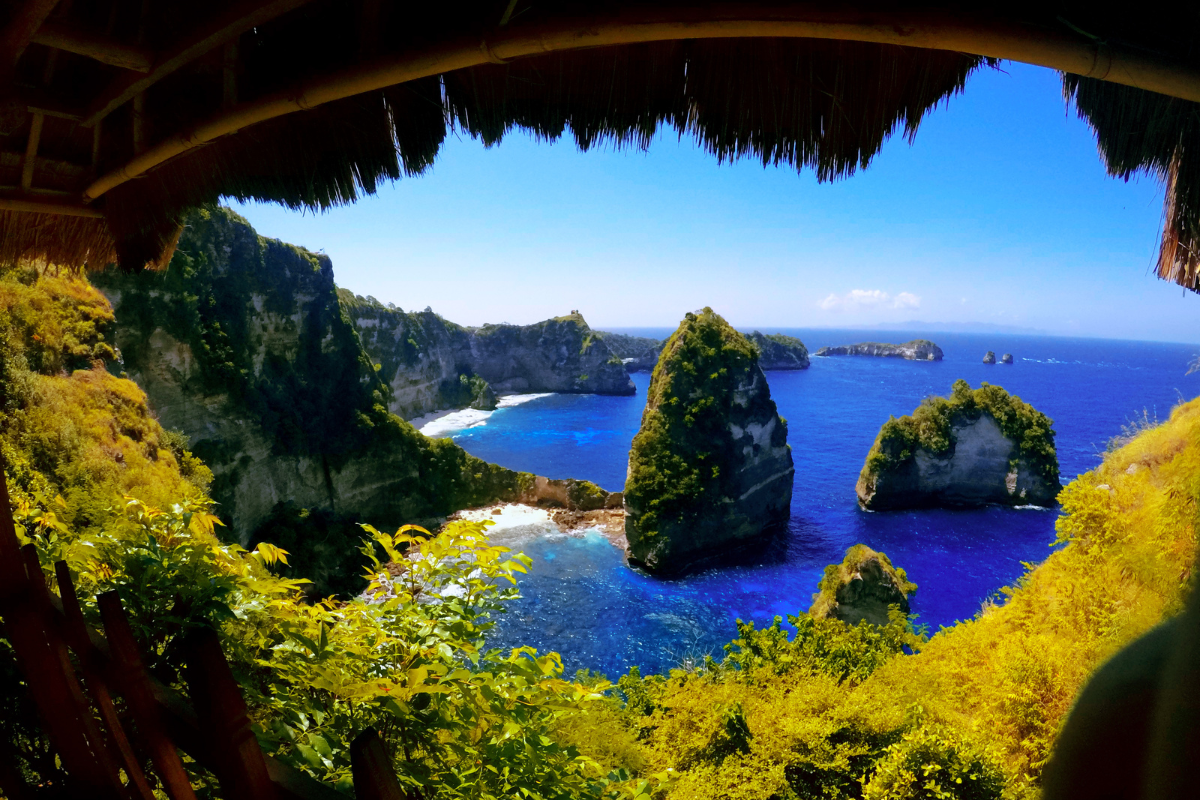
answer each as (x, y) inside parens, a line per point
(431, 363)
(710, 469)
(973, 447)
(243, 345)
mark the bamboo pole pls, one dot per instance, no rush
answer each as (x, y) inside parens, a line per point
(99, 48)
(992, 37)
(43, 207)
(31, 148)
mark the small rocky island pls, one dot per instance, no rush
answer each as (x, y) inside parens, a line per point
(973, 448)
(916, 350)
(710, 470)
(862, 587)
(989, 357)
(1006, 358)
(779, 352)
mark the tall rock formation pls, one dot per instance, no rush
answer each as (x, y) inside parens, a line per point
(973, 448)
(862, 588)
(916, 350)
(710, 470)
(779, 352)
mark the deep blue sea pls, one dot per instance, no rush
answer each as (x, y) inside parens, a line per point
(582, 601)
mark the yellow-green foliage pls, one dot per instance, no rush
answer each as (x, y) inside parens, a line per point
(67, 427)
(982, 701)
(930, 425)
(837, 575)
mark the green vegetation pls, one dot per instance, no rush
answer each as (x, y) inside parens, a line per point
(677, 464)
(930, 426)
(74, 437)
(842, 711)
(878, 577)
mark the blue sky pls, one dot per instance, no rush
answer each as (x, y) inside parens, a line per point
(1000, 212)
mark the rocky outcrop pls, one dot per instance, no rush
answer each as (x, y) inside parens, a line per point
(916, 350)
(637, 353)
(989, 357)
(862, 589)
(779, 352)
(976, 447)
(1006, 358)
(427, 360)
(243, 345)
(558, 355)
(710, 470)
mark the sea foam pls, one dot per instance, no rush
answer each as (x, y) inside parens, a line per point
(444, 423)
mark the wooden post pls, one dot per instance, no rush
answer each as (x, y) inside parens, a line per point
(138, 692)
(374, 778)
(217, 698)
(139, 123)
(79, 641)
(229, 59)
(31, 148)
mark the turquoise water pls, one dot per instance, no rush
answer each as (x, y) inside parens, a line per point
(581, 600)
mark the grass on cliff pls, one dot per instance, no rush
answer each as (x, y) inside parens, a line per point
(677, 472)
(981, 701)
(75, 438)
(929, 428)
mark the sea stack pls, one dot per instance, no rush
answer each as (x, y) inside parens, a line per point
(863, 587)
(1006, 358)
(989, 357)
(710, 470)
(973, 448)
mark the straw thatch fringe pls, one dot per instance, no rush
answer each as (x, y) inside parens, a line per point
(1140, 131)
(808, 103)
(70, 242)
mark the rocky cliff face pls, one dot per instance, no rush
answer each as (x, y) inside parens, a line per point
(916, 350)
(776, 351)
(862, 588)
(710, 470)
(973, 448)
(427, 361)
(558, 355)
(637, 353)
(242, 344)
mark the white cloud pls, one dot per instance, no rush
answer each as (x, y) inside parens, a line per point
(869, 298)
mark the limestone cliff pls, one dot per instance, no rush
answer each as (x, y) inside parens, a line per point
(558, 355)
(638, 353)
(916, 350)
(710, 470)
(427, 360)
(779, 352)
(973, 448)
(242, 345)
(862, 588)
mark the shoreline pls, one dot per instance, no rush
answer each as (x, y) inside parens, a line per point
(519, 520)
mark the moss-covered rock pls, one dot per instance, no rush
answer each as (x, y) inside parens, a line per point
(971, 448)
(637, 353)
(779, 352)
(863, 587)
(710, 469)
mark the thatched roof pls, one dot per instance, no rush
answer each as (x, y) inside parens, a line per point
(116, 116)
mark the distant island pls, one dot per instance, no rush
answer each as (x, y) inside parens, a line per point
(916, 350)
(775, 350)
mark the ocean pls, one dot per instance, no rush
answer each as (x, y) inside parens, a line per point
(582, 601)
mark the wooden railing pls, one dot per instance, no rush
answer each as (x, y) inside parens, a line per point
(76, 699)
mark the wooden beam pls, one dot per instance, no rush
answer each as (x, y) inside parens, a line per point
(984, 36)
(225, 28)
(46, 207)
(16, 36)
(101, 48)
(31, 148)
